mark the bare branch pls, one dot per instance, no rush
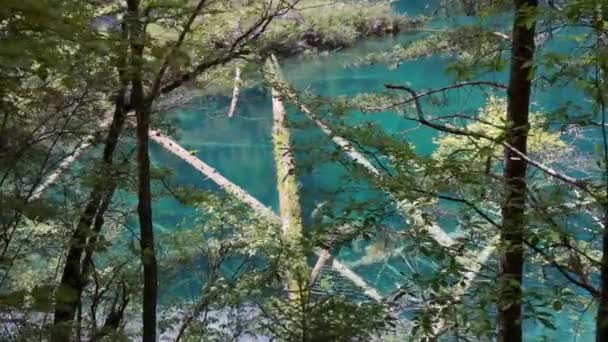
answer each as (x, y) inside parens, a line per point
(175, 49)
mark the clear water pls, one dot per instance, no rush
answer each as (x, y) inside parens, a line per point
(240, 147)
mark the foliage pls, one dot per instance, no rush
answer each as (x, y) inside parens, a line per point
(542, 142)
(473, 49)
(67, 68)
(323, 319)
(318, 25)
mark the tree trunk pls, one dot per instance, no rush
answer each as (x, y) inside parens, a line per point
(144, 211)
(289, 199)
(601, 323)
(115, 316)
(513, 209)
(87, 261)
(142, 107)
(73, 281)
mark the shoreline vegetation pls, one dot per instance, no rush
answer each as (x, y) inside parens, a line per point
(303, 32)
(328, 26)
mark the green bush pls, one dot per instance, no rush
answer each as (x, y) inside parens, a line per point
(330, 26)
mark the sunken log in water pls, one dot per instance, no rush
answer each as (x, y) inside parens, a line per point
(473, 262)
(66, 163)
(173, 147)
(173, 100)
(236, 91)
(289, 199)
(434, 230)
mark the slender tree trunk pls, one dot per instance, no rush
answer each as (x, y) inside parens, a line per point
(115, 316)
(513, 220)
(70, 287)
(144, 211)
(601, 68)
(601, 323)
(142, 107)
(72, 280)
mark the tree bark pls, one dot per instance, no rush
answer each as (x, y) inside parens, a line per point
(144, 211)
(513, 209)
(143, 107)
(601, 323)
(601, 68)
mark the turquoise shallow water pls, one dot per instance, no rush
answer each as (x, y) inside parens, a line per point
(240, 147)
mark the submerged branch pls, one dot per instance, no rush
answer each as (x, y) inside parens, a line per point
(473, 263)
(316, 271)
(235, 91)
(434, 230)
(66, 163)
(172, 146)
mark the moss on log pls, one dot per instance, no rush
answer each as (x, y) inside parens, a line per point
(290, 210)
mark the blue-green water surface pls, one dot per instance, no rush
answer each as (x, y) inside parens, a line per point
(240, 148)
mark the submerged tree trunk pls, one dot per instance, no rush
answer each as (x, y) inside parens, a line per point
(513, 209)
(236, 91)
(173, 147)
(289, 201)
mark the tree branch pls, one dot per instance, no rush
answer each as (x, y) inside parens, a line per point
(178, 44)
(463, 132)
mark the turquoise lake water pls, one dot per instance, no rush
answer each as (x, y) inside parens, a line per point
(240, 147)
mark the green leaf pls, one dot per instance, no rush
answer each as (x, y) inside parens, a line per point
(41, 296)
(547, 323)
(66, 294)
(13, 299)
